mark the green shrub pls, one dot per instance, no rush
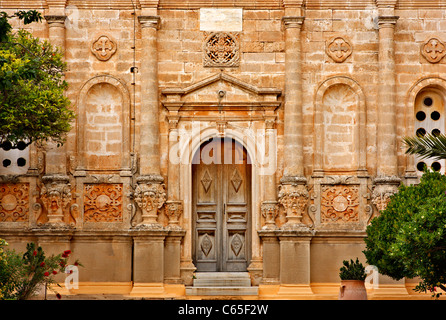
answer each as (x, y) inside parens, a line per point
(21, 276)
(353, 270)
(408, 238)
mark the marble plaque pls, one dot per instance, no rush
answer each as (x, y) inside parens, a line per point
(221, 19)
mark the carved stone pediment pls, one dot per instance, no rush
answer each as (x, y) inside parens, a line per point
(221, 92)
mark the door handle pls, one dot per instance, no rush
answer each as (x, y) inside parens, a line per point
(224, 208)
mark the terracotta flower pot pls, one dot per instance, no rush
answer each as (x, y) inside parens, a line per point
(352, 290)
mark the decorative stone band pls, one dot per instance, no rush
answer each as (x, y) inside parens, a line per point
(383, 189)
(150, 196)
(56, 196)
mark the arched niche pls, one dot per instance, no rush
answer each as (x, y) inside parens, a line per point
(340, 127)
(103, 125)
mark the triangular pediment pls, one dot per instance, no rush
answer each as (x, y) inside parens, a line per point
(221, 89)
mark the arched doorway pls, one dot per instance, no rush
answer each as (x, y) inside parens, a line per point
(221, 205)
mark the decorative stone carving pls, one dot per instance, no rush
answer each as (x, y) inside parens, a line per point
(56, 197)
(174, 209)
(221, 49)
(339, 49)
(383, 189)
(104, 47)
(103, 202)
(294, 198)
(14, 202)
(269, 211)
(433, 50)
(340, 204)
(150, 196)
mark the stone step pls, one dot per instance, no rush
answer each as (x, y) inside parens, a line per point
(222, 291)
(222, 284)
(222, 279)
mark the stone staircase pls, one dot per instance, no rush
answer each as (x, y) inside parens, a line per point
(222, 284)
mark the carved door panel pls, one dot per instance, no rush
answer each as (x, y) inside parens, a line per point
(221, 193)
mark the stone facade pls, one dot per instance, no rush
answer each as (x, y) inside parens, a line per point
(319, 93)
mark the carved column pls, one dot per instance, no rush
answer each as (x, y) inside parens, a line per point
(150, 192)
(269, 206)
(149, 141)
(174, 207)
(293, 194)
(56, 193)
(293, 150)
(387, 180)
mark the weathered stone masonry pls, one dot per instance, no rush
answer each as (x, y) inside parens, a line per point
(330, 86)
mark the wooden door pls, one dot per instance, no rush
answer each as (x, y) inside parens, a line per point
(221, 175)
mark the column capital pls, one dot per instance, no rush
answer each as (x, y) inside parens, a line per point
(293, 21)
(54, 20)
(387, 21)
(149, 21)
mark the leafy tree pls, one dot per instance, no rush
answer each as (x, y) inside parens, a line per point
(408, 238)
(33, 107)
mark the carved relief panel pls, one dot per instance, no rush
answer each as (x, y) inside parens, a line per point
(221, 49)
(433, 50)
(341, 203)
(103, 202)
(14, 202)
(103, 47)
(339, 49)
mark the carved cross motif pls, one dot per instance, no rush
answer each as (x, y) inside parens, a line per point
(339, 49)
(433, 50)
(103, 48)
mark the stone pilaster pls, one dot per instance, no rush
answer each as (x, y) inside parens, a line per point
(269, 206)
(387, 181)
(56, 190)
(293, 149)
(149, 120)
(293, 194)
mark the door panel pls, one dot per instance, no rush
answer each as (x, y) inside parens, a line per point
(221, 194)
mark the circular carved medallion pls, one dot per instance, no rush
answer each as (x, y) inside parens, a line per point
(340, 203)
(9, 202)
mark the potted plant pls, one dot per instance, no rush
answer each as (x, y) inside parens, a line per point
(352, 276)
